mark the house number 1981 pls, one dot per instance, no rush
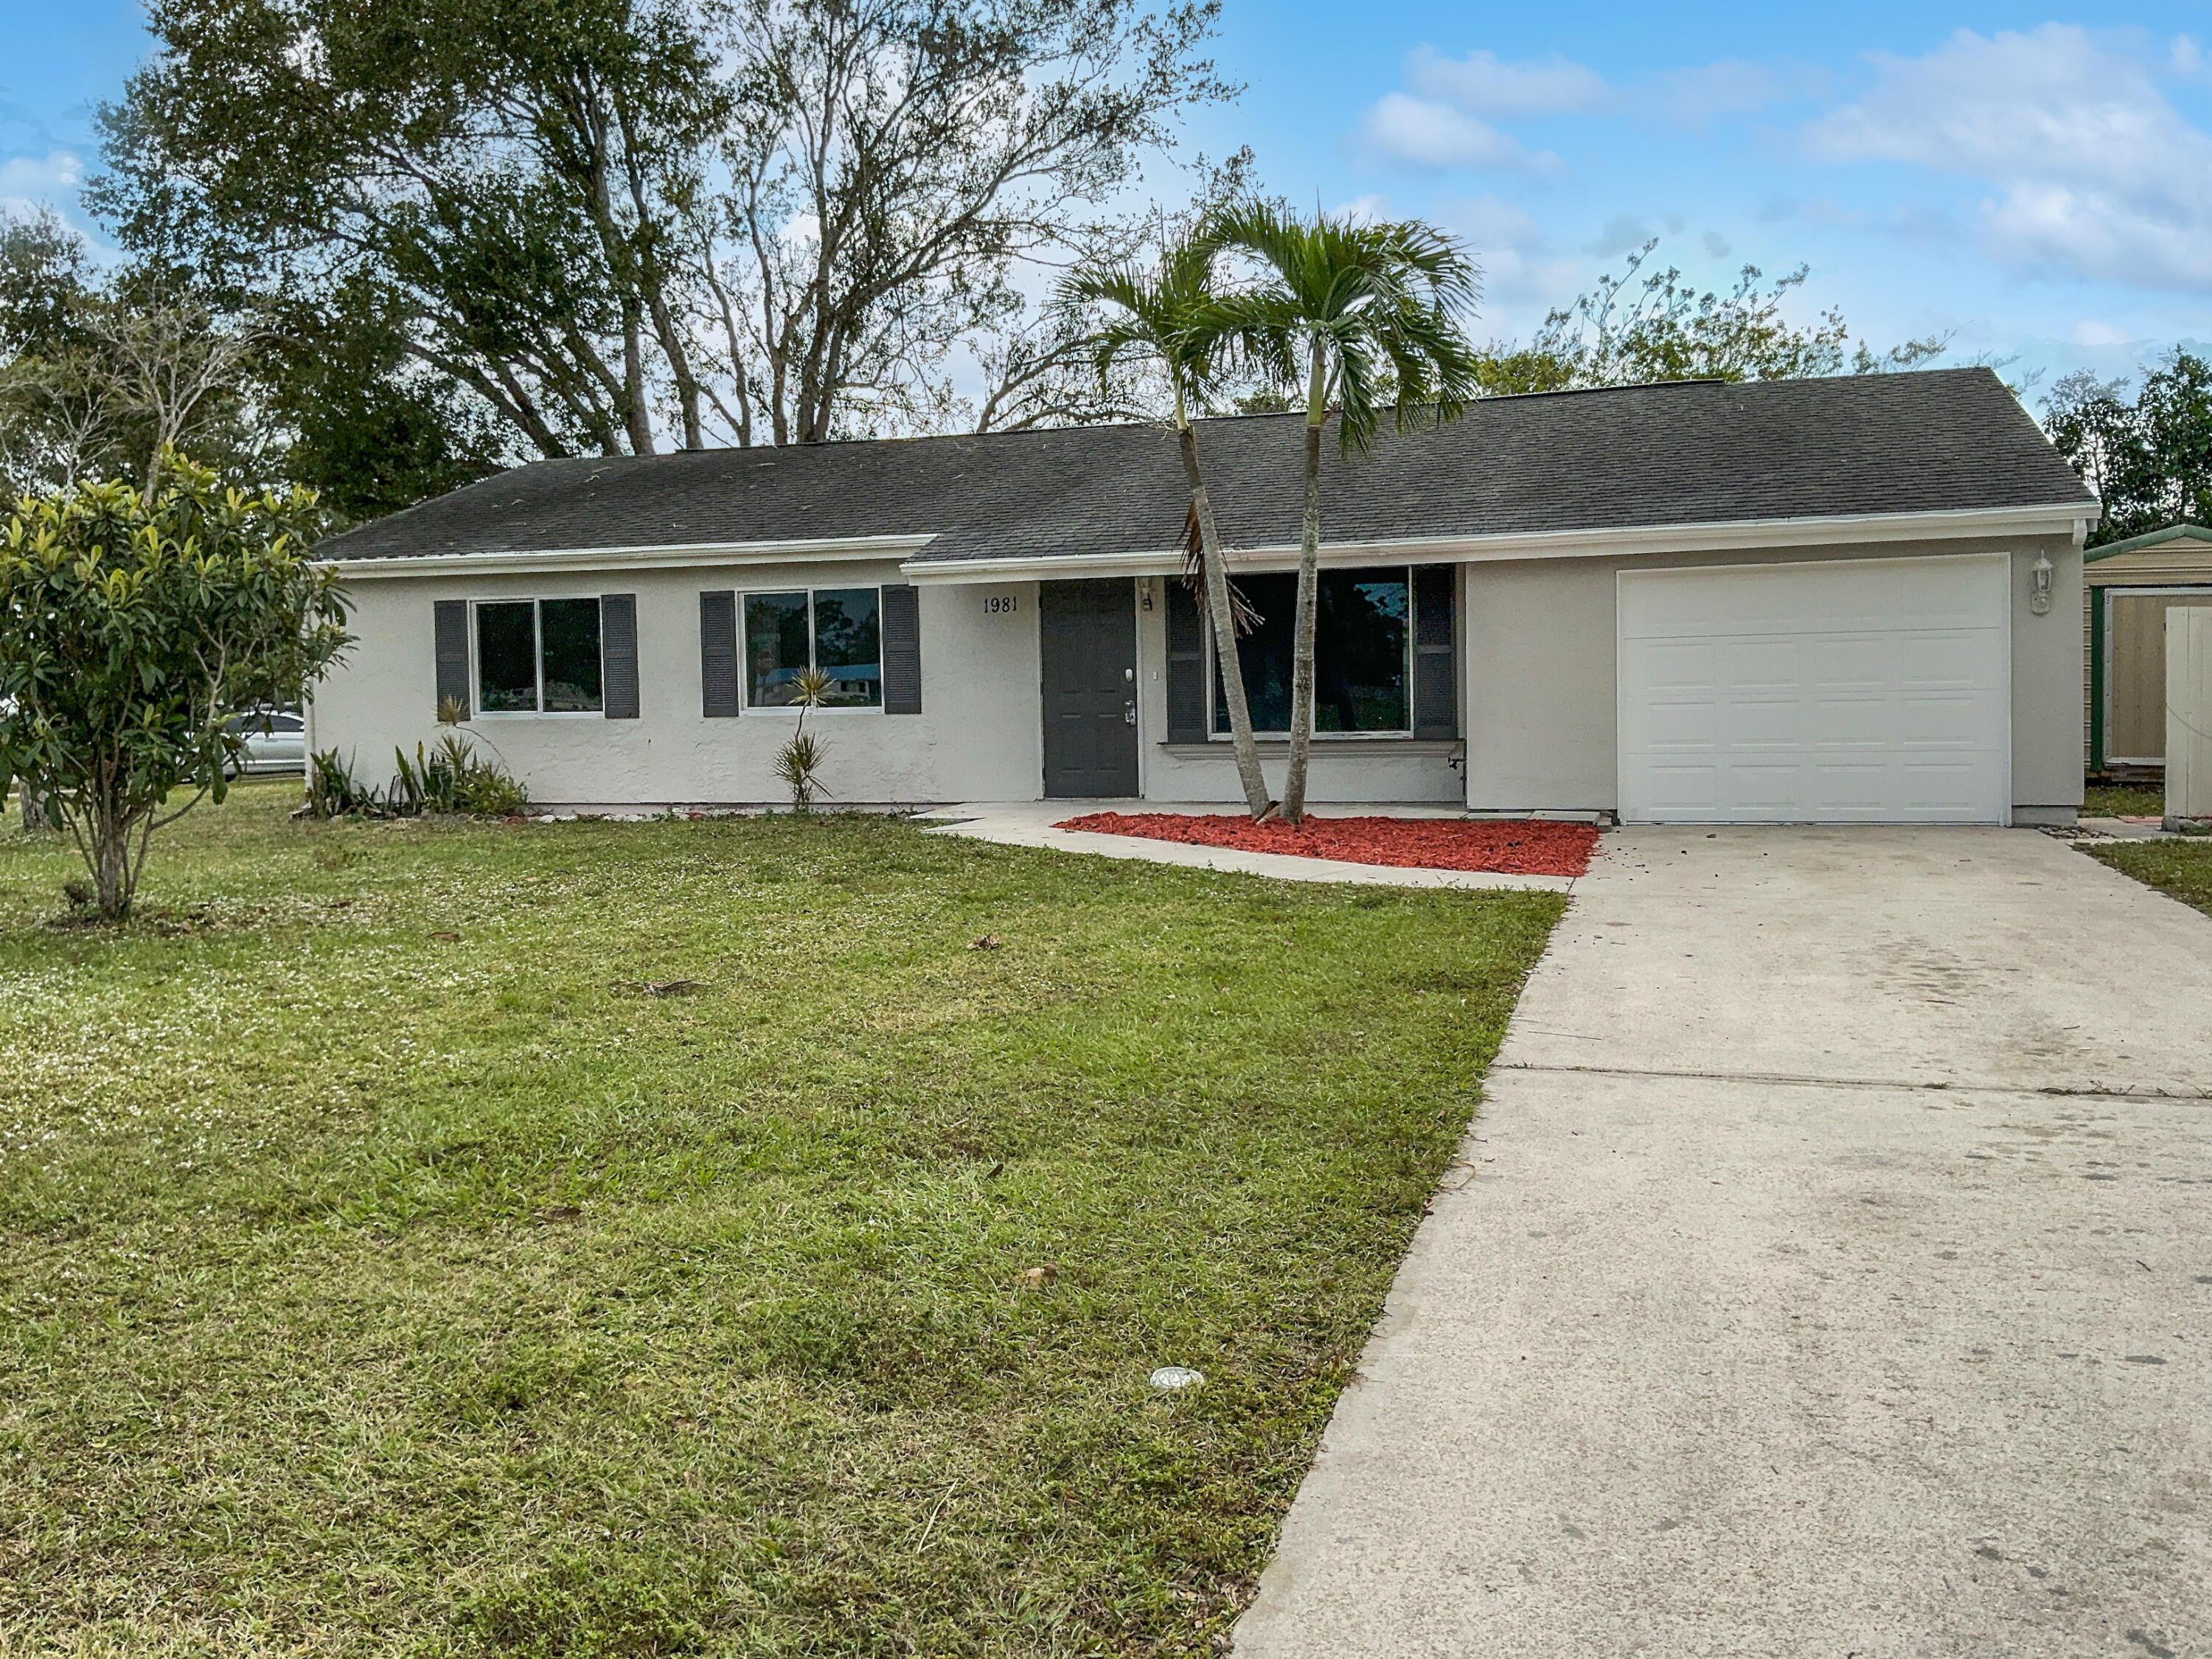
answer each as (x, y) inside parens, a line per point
(999, 605)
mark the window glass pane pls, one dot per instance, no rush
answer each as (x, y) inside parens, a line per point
(569, 629)
(775, 646)
(847, 645)
(1359, 652)
(1264, 654)
(506, 657)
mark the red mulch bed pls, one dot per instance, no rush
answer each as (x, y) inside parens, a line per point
(1520, 847)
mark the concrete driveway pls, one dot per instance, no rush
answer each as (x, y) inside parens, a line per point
(1830, 1274)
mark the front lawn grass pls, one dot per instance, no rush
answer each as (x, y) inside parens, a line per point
(384, 1269)
(2182, 869)
(2122, 801)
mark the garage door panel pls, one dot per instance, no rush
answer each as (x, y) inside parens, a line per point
(1691, 665)
(1852, 723)
(1929, 721)
(1956, 657)
(1873, 690)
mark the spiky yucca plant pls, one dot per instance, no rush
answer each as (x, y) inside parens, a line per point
(798, 763)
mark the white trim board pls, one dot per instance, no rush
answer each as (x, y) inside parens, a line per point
(675, 556)
(2067, 519)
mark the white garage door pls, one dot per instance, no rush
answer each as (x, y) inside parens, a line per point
(1870, 691)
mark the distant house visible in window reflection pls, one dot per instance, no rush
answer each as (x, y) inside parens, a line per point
(837, 631)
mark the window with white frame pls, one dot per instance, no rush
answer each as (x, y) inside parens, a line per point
(838, 630)
(1363, 653)
(538, 657)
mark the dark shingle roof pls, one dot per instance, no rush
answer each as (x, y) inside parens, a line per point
(1687, 452)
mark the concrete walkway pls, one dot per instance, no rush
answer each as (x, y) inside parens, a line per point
(1029, 823)
(1829, 1274)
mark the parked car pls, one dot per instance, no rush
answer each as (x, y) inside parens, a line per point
(276, 742)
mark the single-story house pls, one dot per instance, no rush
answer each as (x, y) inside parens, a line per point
(1841, 600)
(2131, 585)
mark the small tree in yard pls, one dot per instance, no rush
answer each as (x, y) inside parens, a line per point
(131, 631)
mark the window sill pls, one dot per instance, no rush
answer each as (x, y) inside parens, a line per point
(481, 715)
(1323, 743)
(791, 710)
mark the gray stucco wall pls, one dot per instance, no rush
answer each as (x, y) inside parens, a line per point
(1540, 668)
(1538, 654)
(977, 738)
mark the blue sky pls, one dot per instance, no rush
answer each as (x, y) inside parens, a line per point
(2036, 183)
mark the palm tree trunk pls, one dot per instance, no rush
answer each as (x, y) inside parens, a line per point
(1302, 639)
(1224, 630)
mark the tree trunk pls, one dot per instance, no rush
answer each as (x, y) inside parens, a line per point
(112, 869)
(1302, 642)
(1224, 630)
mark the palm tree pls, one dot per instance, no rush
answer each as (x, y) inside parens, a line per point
(1373, 312)
(1170, 315)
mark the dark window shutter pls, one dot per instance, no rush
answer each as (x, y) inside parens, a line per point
(618, 653)
(1435, 673)
(452, 652)
(902, 638)
(717, 653)
(1185, 663)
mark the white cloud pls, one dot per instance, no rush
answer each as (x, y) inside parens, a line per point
(1450, 113)
(1492, 221)
(1433, 135)
(1693, 97)
(1480, 84)
(2090, 332)
(1623, 233)
(1364, 210)
(40, 177)
(2095, 172)
(1521, 277)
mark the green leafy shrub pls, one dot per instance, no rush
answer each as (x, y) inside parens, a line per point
(133, 634)
(449, 776)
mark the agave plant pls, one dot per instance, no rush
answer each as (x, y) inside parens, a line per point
(798, 763)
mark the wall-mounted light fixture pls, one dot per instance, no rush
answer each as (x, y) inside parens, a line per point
(2039, 586)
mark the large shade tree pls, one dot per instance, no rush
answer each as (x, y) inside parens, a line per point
(614, 225)
(1367, 317)
(1170, 315)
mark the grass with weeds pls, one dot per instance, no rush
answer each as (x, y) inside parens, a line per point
(2181, 869)
(2124, 800)
(398, 1257)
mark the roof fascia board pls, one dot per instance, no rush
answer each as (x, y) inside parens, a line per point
(674, 556)
(2172, 532)
(2066, 517)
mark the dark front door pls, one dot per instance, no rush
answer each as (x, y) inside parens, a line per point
(1088, 634)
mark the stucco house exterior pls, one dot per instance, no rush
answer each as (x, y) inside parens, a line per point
(1851, 600)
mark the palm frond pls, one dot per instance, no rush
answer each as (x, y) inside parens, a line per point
(1384, 300)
